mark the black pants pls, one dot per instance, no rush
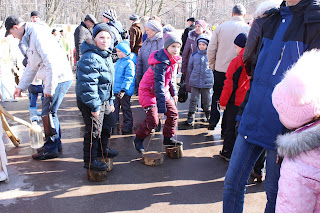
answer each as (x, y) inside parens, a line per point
(230, 133)
(125, 106)
(260, 163)
(99, 129)
(219, 78)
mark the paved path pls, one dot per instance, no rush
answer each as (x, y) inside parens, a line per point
(193, 183)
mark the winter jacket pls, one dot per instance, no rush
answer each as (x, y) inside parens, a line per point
(125, 71)
(156, 82)
(148, 46)
(189, 48)
(46, 60)
(81, 34)
(253, 42)
(116, 30)
(294, 30)
(135, 37)
(185, 36)
(200, 74)
(236, 84)
(299, 183)
(95, 73)
(221, 47)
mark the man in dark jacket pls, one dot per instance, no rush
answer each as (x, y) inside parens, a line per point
(83, 32)
(135, 33)
(286, 35)
(191, 26)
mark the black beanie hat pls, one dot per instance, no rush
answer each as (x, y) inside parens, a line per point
(100, 27)
(241, 40)
(35, 13)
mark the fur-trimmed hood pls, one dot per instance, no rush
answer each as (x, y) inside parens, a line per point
(193, 35)
(295, 143)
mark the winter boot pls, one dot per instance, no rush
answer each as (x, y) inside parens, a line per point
(96, 165)
(110, 153)
(190, 120)
(138, 145)
(171, 142)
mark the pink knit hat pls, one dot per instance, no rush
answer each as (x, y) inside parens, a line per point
(297, 98)
(202, 23)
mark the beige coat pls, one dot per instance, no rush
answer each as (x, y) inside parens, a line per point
(221, 47)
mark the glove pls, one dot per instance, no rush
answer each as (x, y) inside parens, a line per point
(121, 94)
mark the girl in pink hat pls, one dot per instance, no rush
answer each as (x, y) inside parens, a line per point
(297, 100)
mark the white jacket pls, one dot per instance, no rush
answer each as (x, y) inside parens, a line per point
(221, 47)
(46, 59)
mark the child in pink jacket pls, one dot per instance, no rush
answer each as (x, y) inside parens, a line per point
(155, 92)
(297, 100)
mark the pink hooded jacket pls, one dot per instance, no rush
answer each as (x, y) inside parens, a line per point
(156, 82)
(299, 183)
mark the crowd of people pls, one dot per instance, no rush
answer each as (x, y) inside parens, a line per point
(261, 74)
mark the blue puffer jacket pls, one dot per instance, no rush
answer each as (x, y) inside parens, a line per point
(201, 76)
(294, 30)
(95, 73)
(125, 71)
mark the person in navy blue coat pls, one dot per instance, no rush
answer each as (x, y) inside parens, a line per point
(286, 35)
(124, 81)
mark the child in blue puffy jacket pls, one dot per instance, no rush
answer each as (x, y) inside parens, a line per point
(123, 89)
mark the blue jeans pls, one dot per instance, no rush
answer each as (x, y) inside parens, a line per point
(242, 161)
(33, 95)
(52, 143)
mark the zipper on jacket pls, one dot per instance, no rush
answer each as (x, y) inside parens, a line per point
(298, 49)
(279, 62)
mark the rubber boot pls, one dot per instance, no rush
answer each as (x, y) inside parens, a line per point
(171, 142)
(138, 144)
(190, 120)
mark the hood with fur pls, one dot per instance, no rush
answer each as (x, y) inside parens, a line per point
(193, 35)
(295, 143)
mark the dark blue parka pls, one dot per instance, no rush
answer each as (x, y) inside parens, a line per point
(286, 35)
(95, 76)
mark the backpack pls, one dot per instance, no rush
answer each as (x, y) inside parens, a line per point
(123, 33)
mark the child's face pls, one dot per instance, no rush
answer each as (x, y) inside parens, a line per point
(103, 40)
(174, 49)
(238, 49)
(202, 46)
(120, 54)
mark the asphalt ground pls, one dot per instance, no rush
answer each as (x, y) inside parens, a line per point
(193, 183)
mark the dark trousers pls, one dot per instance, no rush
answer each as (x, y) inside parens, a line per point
(152, 121)
(125, 105)
(219, 78)
(96, 130)
(260, 163)
(33, 94)
(230, 133)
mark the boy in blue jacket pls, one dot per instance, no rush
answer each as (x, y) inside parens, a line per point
(125, 71)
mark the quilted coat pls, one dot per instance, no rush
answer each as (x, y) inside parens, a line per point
(125, 70)
(299, 183)
(201, 76)
(156, 84)
(95, 73)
